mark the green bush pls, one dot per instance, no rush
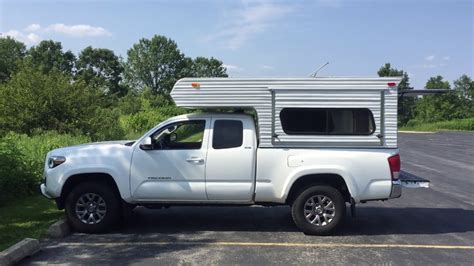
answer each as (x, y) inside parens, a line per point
(103, 124)
(130, 103)
(413, 123)
(22, 160)
(458, 124)
(135, 125)
(34, 148)
(16, 178)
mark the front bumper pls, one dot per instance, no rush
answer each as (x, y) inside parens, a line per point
(44, 192)
(396, 191)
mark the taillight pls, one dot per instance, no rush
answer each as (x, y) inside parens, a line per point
(394, 163)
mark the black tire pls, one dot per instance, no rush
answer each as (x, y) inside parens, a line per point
(326, 225)
(112, 207)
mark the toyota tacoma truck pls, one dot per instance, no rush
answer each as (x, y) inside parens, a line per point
(314, 144)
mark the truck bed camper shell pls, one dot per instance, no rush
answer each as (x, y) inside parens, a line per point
(284, 105)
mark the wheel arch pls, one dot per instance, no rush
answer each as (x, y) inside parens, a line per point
(330, 179)
(76, 179)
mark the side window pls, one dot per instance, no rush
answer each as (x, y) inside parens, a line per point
(327, 121)
(227, 134)
(304, 121)
(180, 136)
(350, 122)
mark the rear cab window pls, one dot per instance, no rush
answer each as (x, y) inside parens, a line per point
(227, 134)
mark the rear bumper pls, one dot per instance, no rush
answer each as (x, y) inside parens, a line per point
(44, 192)
(396, 191)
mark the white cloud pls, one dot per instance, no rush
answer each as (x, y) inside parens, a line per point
(232, 68)
(33, 27)
(430, 58)
(434, 62)
(430, 65)
(78, 30)
(243, 24)
(32, 34)
(267, 67)
(29, 39)
(34, 38)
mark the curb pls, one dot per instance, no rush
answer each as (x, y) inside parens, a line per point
(59, 229)
(29, 246)
(19, 251)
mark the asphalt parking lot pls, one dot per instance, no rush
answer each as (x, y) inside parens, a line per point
(425, 226)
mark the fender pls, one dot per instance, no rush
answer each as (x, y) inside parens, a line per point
(120, 180)
(323, 169)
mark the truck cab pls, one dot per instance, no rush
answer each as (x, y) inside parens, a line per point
(182, 160)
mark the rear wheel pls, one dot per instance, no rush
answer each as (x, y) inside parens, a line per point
(318, 210)
(92, 207)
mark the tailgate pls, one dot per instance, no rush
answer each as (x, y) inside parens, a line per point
(412, 181)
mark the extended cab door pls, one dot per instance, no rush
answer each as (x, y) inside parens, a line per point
(174, 168)
(230, 165)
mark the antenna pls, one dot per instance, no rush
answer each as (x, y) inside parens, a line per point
(315, 73)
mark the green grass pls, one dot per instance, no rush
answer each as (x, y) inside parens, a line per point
(26, 217)
(460, 124)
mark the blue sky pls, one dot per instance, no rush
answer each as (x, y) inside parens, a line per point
(268, 38)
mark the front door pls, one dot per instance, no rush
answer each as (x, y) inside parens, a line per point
(174, 169)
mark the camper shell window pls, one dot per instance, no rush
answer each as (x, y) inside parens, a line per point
(327, 121)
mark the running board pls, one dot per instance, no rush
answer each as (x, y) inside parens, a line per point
(412, 181)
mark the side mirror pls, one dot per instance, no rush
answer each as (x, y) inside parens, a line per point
(146, 144)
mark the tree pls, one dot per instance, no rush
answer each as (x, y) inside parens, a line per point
(432, 108)
(49, 55)
(204, 67)
(33, 100)
(11, 51)
(101, 68)
(154, 63)
(464, 87)
(437, 83)
(406, 105)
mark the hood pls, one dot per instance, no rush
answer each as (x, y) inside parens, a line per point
(121, 142)
(93, 147)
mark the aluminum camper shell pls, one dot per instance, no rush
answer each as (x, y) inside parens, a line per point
(268, 96)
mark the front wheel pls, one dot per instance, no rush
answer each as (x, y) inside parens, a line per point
(92, 207)
(318, 210)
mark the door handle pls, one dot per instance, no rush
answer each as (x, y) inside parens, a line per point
(195, 160)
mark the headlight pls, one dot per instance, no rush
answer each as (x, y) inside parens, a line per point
(54, 161)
